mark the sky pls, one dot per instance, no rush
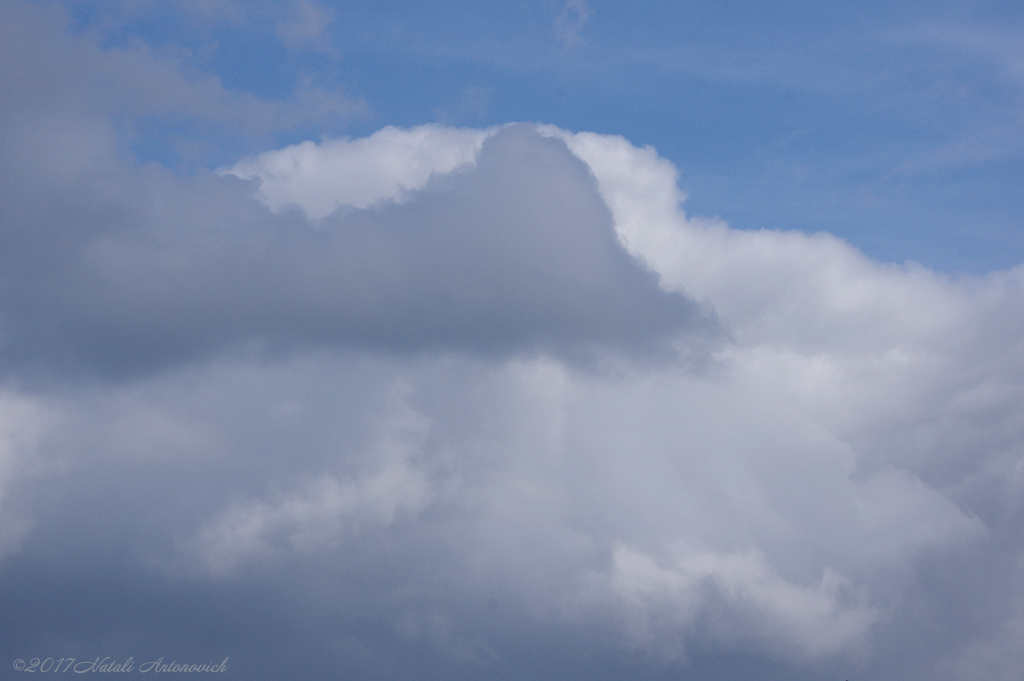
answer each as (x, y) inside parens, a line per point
(542, 339)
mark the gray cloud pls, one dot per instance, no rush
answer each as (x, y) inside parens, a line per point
(516, 253)
(115, 269)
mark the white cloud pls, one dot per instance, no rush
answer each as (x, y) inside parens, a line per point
(315, 517)
(386, 166)
(325, 510)
(652, 502)
(858, 421)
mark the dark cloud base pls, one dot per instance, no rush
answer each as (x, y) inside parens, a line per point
(271, 630)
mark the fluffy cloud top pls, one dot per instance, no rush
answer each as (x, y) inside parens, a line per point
(386, 166)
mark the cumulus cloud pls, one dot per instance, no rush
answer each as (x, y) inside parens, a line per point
(423, 239)
(343, 421)
(516, 253)
(859, 425)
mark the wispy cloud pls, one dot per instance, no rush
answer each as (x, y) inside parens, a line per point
(569, 24)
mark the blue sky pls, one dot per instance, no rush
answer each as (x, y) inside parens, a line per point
(893, 125)
(548, 339)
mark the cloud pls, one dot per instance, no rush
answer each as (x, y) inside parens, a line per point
(514, 254)
(308, 27)
(569, 24)
(779, 503)
(990, 67)
(64, 96)
(324, 510)
(387, 166)
(810, 621)
(445, 241)
(22, 423)
(863, 421)
(343, 421)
